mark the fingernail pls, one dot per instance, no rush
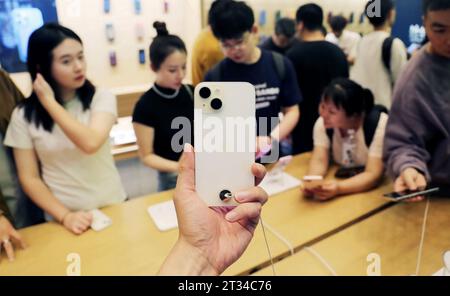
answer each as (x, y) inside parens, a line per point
(231, 216)
(242, 196)
(187, 148)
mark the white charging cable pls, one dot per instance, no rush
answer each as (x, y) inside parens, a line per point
(422, 237)
(446, 258)
(268, 248)
(280, 237)
(321, 259)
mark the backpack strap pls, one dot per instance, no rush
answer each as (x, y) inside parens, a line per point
(330, 133)
(371, 123)
(278, 59)
(386, 53)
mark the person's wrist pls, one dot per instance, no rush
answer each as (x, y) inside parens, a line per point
(338, 188)
(64, 217)
(186, 259)
(47, 101)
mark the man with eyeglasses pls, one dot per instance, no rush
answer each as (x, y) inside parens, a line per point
(272, 75)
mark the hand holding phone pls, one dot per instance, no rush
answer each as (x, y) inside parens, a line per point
(99, 220)
(401, 196)
(312, 182)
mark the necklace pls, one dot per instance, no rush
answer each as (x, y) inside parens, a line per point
(159, 92)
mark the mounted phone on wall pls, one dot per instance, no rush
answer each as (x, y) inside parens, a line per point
(107, 6)
(362, 17)
(140, 31)
(278, 15)
(166, 6)
(112, 58)
(142, 56)
(137, 6)
(351, 18)
(109, 31)
(262, 18)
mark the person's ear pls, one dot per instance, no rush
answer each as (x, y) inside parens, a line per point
(254, 29)
(300, 27)
(391, 16)
(153, 68)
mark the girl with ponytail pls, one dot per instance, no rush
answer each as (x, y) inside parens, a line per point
(166, 100)
(350, 131)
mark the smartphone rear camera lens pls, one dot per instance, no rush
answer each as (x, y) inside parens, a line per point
(216, 104)
(205, 92)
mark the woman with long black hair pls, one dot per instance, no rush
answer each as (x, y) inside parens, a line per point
(60, 134)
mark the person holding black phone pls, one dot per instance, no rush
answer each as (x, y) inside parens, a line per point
(417, 146)
(350, 130)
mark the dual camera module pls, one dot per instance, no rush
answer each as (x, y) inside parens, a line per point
(205, 93)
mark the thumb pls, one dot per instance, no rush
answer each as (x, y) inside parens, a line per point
(186, 177)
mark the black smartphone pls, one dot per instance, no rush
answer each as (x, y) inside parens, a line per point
(399, 196)
(345, 173)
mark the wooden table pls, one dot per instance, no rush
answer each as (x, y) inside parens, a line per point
(124, 152)
(393, 234)
(303, 221)
(131, 246)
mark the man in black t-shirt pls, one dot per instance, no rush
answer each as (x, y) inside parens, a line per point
(317, 62)
(276, 87)
(283, 38)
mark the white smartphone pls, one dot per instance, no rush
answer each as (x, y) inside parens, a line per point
(315, 181)
(224, 140)
(110, 32)
(99, 220)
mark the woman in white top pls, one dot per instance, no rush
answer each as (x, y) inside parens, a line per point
(344, 113)
(60, 134)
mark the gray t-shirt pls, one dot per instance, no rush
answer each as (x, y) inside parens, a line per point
(418, 131)
(80, 181)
